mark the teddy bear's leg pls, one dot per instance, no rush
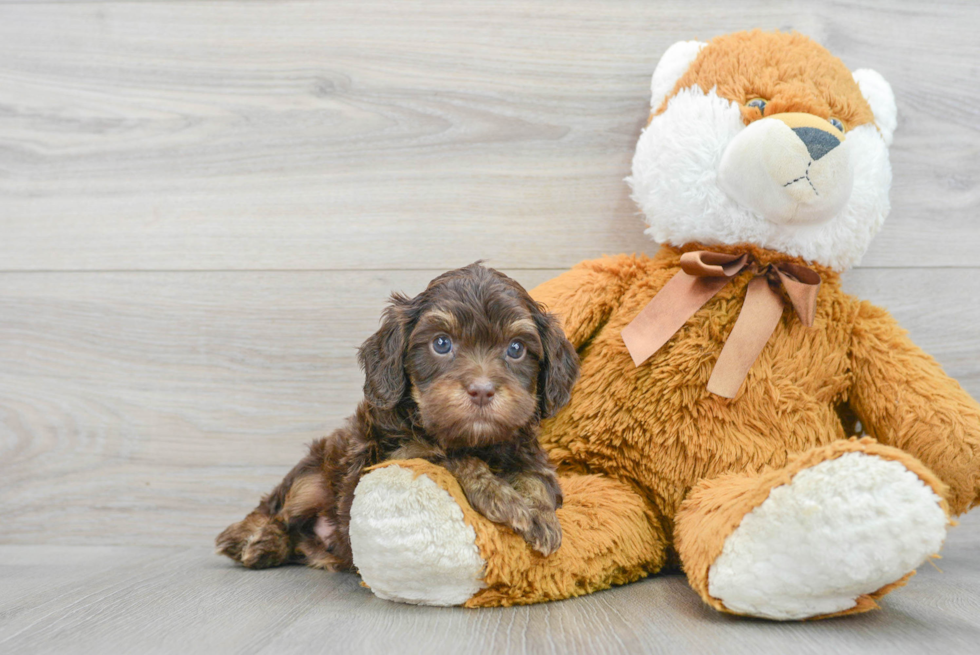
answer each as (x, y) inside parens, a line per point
(828, 534)
(416, 540)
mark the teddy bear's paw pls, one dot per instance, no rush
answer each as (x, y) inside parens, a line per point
(839, 531)
(410, 542)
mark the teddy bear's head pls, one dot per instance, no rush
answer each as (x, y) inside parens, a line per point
(768, 139)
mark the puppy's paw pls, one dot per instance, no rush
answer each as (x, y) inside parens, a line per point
(233, 539)
(256, 542)
(544, 533)
(266, 548)
(503, 506)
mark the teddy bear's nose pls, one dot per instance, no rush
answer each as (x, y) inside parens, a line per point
(818, 142)
(788, 168)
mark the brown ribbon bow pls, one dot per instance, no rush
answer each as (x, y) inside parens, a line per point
(702, 275)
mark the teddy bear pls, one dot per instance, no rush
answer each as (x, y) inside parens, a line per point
(738, 415)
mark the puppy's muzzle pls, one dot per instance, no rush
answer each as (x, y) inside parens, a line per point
(788, 168)
(481, 392)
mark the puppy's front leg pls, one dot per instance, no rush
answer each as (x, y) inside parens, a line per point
(420, 450)
(538, 492)
(535, 481)
(494, 497)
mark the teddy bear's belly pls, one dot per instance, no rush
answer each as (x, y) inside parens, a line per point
(657, 425)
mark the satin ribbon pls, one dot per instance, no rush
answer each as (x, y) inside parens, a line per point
(702, 275)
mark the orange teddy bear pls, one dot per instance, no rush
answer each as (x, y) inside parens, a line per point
(725, 379)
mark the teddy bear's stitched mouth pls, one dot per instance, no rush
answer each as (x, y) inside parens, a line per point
(768, 169)
(805, 176)
(723, 186)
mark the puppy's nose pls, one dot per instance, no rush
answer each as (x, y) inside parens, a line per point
(481, 392)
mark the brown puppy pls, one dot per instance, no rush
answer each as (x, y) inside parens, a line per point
(460, 375)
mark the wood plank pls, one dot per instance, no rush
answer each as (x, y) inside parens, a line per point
(153, 408)
(154, 399)
(148, 409)
(130, 599)
(344, 135)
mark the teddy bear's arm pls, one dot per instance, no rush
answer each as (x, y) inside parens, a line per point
(585, 296)
(904, 399)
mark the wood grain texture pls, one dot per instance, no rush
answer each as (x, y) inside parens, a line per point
(186, 600)
(204, 204)
(153, 408)
(327, 135)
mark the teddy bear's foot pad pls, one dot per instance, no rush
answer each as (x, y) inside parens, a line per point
(410, 542)
(842, 529)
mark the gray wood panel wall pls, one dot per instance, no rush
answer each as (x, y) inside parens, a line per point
(203, 206)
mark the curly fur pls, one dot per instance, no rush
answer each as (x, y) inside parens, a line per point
(418, 404)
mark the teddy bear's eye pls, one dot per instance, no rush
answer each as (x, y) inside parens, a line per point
(836, 123)
(758, 103)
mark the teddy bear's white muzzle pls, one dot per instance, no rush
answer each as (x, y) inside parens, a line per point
(788, 171)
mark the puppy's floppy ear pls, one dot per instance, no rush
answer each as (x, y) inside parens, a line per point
(382, 356)
(559, 367)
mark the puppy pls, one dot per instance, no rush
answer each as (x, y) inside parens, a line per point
(461, 375)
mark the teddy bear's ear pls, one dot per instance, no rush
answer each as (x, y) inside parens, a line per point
(671, 68)
(879, 95)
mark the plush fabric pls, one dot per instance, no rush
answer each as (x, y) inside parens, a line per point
(847, 506)
(830, 475)
(855, 357)
(697, 170)
(792, 71)
(627, 467)
(440, 566)
(611, 536)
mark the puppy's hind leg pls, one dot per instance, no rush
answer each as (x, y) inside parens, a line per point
(268, 536)
(257, 542)
(319, 550)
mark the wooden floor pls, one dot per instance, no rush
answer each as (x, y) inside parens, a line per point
(118, 599)
(203, 206)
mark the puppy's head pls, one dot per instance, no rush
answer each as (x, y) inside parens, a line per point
(475, 353)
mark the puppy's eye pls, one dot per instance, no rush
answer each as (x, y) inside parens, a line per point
(515, 350)
(442, 344)
(758, 103)
(836, 123)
